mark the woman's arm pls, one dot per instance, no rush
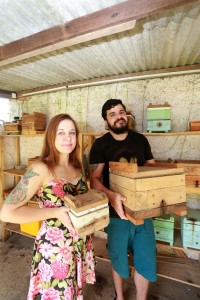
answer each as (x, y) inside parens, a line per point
(15, 209)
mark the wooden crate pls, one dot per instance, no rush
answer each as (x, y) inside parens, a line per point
(194, 126)
(13, 127)
(164, 229)
(158, 112)
(158, 125)
(89, 212)
(191, 169)
(151, 191)
(190, 230)
(31, 123)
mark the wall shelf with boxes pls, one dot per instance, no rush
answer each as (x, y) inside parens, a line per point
(16, 172)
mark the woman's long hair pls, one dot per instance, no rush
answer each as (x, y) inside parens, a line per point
(50, 155)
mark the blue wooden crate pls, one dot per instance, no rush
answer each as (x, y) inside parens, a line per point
(164, 229)
(190, 230)
(158, 125)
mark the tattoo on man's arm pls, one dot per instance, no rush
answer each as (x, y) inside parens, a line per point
(19, 193)
(93, 167)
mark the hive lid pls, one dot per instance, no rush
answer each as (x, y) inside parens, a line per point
(81, 202)
(129, 170)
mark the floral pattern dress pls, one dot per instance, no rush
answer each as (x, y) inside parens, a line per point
(62, 260)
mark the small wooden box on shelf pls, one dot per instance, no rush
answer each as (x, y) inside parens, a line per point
(33, 123)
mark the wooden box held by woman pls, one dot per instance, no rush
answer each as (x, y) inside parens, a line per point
(149, 191)
(88, 212)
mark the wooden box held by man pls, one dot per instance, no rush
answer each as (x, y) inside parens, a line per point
(191, 169)
(88, 212)
(149, 191)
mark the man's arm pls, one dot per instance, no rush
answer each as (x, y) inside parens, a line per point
(115, 199)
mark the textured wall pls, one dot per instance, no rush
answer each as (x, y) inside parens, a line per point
(182, 92)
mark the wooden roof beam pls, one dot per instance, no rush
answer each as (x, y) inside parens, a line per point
(108, 21)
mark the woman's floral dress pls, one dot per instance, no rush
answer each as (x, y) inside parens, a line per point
(62, 260)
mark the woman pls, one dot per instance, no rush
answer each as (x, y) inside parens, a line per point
(62, 260)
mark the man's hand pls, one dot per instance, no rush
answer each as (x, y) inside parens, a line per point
(116, 200)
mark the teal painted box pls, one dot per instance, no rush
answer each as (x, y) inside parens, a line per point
(190, 230)
(164, 229)
(159, 112)
(159, 125)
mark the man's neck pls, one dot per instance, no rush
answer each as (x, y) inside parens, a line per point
(119, 137)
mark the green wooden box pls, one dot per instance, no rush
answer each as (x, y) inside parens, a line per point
(190, 230)
(164, 229)
(158, 113)
(158, 125)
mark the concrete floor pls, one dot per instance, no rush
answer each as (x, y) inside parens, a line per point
(15, 261)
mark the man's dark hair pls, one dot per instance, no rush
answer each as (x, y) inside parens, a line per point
(110, 104)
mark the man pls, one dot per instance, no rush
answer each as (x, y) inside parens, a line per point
(122, 144)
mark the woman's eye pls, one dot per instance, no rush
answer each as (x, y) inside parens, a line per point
(72, 133)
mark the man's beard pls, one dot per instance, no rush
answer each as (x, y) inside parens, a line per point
(118, 130)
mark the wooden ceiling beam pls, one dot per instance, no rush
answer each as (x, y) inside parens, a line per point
(108, 21)
(181, 70)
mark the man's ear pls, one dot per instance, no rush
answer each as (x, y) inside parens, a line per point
(106, 125)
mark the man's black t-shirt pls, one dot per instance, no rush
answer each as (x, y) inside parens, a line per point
(106, 148)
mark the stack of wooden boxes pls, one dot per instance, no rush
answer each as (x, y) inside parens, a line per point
(149, 191)
(33, 123)
(89, 212)
(158, 118)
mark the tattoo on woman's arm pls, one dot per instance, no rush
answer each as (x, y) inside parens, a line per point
(19, 193)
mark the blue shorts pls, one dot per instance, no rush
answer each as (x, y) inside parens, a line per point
(125, 237)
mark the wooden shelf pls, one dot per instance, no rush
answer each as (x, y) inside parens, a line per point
(15, 172)
(171, 133)
(16, 229)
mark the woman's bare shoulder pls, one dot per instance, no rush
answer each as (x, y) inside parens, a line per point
(39, 168)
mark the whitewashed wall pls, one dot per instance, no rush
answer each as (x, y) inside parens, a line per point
(181, 92)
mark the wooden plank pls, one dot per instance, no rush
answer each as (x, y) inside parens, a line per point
(95, 225)
(179, 209)
(114, 19)
(151, 199)
(124, 169)
(145, 184)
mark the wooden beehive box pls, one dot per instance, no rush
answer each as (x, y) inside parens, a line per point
(13, 127)
(164, 229)
(33, 123)
(151, 191)
(191, 169)
(89, 212)
(158, 117)
(190, 230)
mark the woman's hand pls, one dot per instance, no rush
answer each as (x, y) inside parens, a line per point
(63, 216)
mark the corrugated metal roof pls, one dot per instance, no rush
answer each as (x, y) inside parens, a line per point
(167, 39)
